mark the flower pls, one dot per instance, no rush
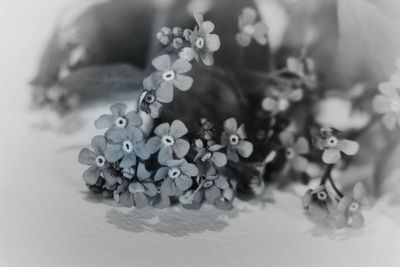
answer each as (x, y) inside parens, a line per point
(304, 69)
(328, 140)
(214, 187)
(250, 29)
(207, 130)
(176, 177)
(168, 140)
(279, 101)
(126, 144)
(210, 155)
(204, 44)
(349, 208)
(165, 35)
(152, 99)
(318, 202)
(97, 162)
(170, 74)
(118, 118)
(233, 138)
(294, 150)
(388, 103)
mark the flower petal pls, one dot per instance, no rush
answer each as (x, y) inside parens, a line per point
(207, 58)
(295, 95)
(307, 198)
(142, 173)
(244, 148)
(331, 156)
(341, 220)
(99, 144)
(213, 42)
(389, 120)
(381, 104)
(161, 173)
(348, 147)
(388, 90)
(344, 203)
(230, 125)
(183, 82)
(212, 194)
(153, 144)
(134, 118)
(206, 28)
(357, 220)
(261, 33)
(318, 212)
(302, 146)
(189, 169)
(134, 134)
(219, 159)
(165, 93)
(232, 155)
(87, 157)
(155, 110)
(243, 39)
(105, 121)
(164, 155)
(126, 199)
(359, 191)
(247, 17)
(287, 138)
(181, 148)
(141, 151)
(178, 129)
(91, 175)
(181, 66)
(128, 161)
(269, 104)
(162, 63)
(118, 109)
(148, 83)
(162, 129)
(151, 189)
(167, 187)
(113, 153)
(117, 135)
(221, 182)
(141, 200)
(300, 163)
(183, 182)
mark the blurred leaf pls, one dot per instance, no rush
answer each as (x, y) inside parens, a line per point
(369, 38)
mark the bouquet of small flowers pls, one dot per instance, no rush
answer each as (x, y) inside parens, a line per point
(205, 132)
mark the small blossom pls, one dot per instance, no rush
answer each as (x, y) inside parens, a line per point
(214, 187)
(165, 36)
(207, 130)
(294, 150)
(176, 178)
(97, 162)
(233, 138)
(210, 154)
(250, 29)
(177, 31)
(119, 118)
(187, 53)
(279, 101)
(170, 74)
(168, 140)
(126, 144)
(304, 69)
(319, 203)
(388, 103)
(203, 42)
(349, 208)
(152, 99)
(329, 140)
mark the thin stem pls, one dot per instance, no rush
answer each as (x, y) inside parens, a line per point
(327, 174)
(340, 194)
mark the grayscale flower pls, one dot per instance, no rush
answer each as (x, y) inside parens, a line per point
(388, 103)
(169, 141)
(176, 178)
(294, 150)
(233, 138)
(97, 162)
(209, 155)
(152, 99)
(319, 203)
(280, 100)
(250, 29)
(119, 118)
(126, 144)
(204, 43)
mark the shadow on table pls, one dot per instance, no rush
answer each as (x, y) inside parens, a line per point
(174, 221)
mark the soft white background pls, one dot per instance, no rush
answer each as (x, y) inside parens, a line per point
(47, 219)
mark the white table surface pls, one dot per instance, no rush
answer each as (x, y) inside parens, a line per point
(48, 219)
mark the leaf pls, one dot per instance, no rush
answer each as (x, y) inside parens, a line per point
(369, 38)
(103, 79)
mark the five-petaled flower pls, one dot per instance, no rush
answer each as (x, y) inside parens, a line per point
(126, 144)
(249, 28)
(208, 157)
(97, 162)
(152, 100)
(170, 74)
(388, 103)
(329, 140)
(295, 149)
(203, 42)
(168, 140)
(216, 188)
(349, 208)
(279, 99)
(176, 177)
(233, 138)
(118, 118)
(319, 203)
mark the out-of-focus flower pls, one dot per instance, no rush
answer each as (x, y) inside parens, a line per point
(349, 208)
(203, 42)
(388, 103)
(304, 69)
(119, 118)
(169, 140)
(294, 150)
(210, 154)
(319, 203)
(126, 144)
(329, 140)
(280, 100)
(176, 177)
(164, 36)
(233, 138)
(250, 29)
(170, 74)
(207, 130)
(153, 99)
(97, 162)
